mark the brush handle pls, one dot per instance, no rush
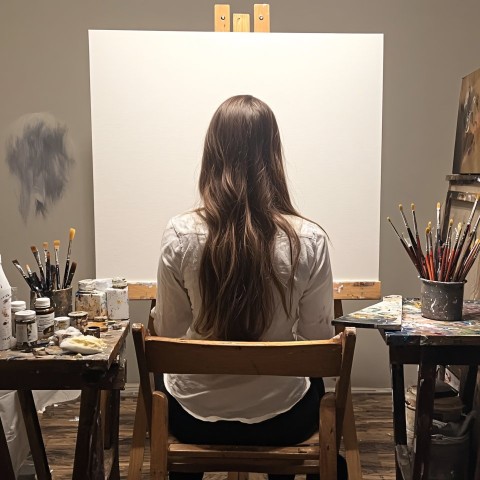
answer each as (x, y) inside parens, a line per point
(48, 272)
(71, 273)
(57, 276)
(65, 274)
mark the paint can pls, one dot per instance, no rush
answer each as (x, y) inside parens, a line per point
(79, 319)
(61, 323)
(117, 300)
(90, 300)
(442, 300)
(95, 331)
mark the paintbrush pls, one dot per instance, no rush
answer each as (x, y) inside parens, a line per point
(40, 266)
(428, 254)
(470, 261)
(48, 271)
(33, 278)
(67, 261)
(432, 252)
(419, 253)
(53, 274)
(445, 253)
(410, 253)
(453, 253)
(56, 285)
(438, 242)
(410, 234)
(71, 273)
(24, 275)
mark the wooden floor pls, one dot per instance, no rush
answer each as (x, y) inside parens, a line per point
(373, 418)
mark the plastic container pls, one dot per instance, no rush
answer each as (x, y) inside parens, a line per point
(17, 306)
(5, 310)
(26, 329)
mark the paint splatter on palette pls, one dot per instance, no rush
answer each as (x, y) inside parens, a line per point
(385, 315)
(423, 331)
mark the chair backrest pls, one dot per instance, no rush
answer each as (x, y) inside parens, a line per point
(321, 358)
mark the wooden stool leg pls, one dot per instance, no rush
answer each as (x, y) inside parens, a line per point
(137, 450)
(34, 434)
(5, 460)
(350, 441)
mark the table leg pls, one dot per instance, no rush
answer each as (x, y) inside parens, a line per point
(34, 434)
(5, 460)
(423, 420)
(87, 438)
(398, 405)
(114, 421)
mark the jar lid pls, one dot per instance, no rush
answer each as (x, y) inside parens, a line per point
(42, 302)
(78, 313)
(18, 305)
(25, 315)
(119, 282)
(100, 318)
(103, 283)
(62, 318)
(87, 285)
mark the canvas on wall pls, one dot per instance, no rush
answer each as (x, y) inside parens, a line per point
(154, 93)
(467, 140)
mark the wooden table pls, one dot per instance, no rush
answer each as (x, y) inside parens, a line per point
(426, 343)
(96, 450)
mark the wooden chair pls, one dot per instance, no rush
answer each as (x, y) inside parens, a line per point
(325, 358)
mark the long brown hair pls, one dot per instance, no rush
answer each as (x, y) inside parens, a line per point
(245, 197)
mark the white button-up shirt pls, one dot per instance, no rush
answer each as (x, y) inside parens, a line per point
(245, 398)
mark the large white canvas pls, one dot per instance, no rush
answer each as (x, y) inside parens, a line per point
(154, 93)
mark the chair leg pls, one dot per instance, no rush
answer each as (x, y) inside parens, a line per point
(137, 450)
(328, 438)
(350, 441)
(159, 437)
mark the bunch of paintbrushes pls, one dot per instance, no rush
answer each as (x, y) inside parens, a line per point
(49, 278)
(444, 260)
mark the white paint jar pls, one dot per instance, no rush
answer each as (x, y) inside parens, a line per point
(117, 300)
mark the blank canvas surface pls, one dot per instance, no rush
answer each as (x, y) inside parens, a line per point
(153, 95)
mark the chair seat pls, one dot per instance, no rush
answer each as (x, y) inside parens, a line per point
(303, 457)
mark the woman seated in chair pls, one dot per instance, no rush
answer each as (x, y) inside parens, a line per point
(245, 266)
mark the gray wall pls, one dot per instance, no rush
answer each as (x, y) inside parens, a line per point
(429, 46)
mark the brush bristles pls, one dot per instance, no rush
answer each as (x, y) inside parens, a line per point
(34, 249)
(56, 243)
(45, 245)
(400, 206)
(72, 234)
(413, 207)
(438, 205)
(450, 223)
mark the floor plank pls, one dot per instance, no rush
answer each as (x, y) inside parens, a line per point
(373, 413)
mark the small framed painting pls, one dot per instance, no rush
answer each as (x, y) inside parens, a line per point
(467, 140)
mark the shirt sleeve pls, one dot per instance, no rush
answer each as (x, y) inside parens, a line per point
(316, 305)
(173, 312)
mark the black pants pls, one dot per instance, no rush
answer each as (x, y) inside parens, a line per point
(293, 426)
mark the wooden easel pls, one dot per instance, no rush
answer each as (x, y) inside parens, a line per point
(341, 290)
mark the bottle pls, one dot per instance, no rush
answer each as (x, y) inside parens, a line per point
(17, 306)
(117, 300)
(91, 300)
(45, 313)
(26, 328)
(5, 310)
